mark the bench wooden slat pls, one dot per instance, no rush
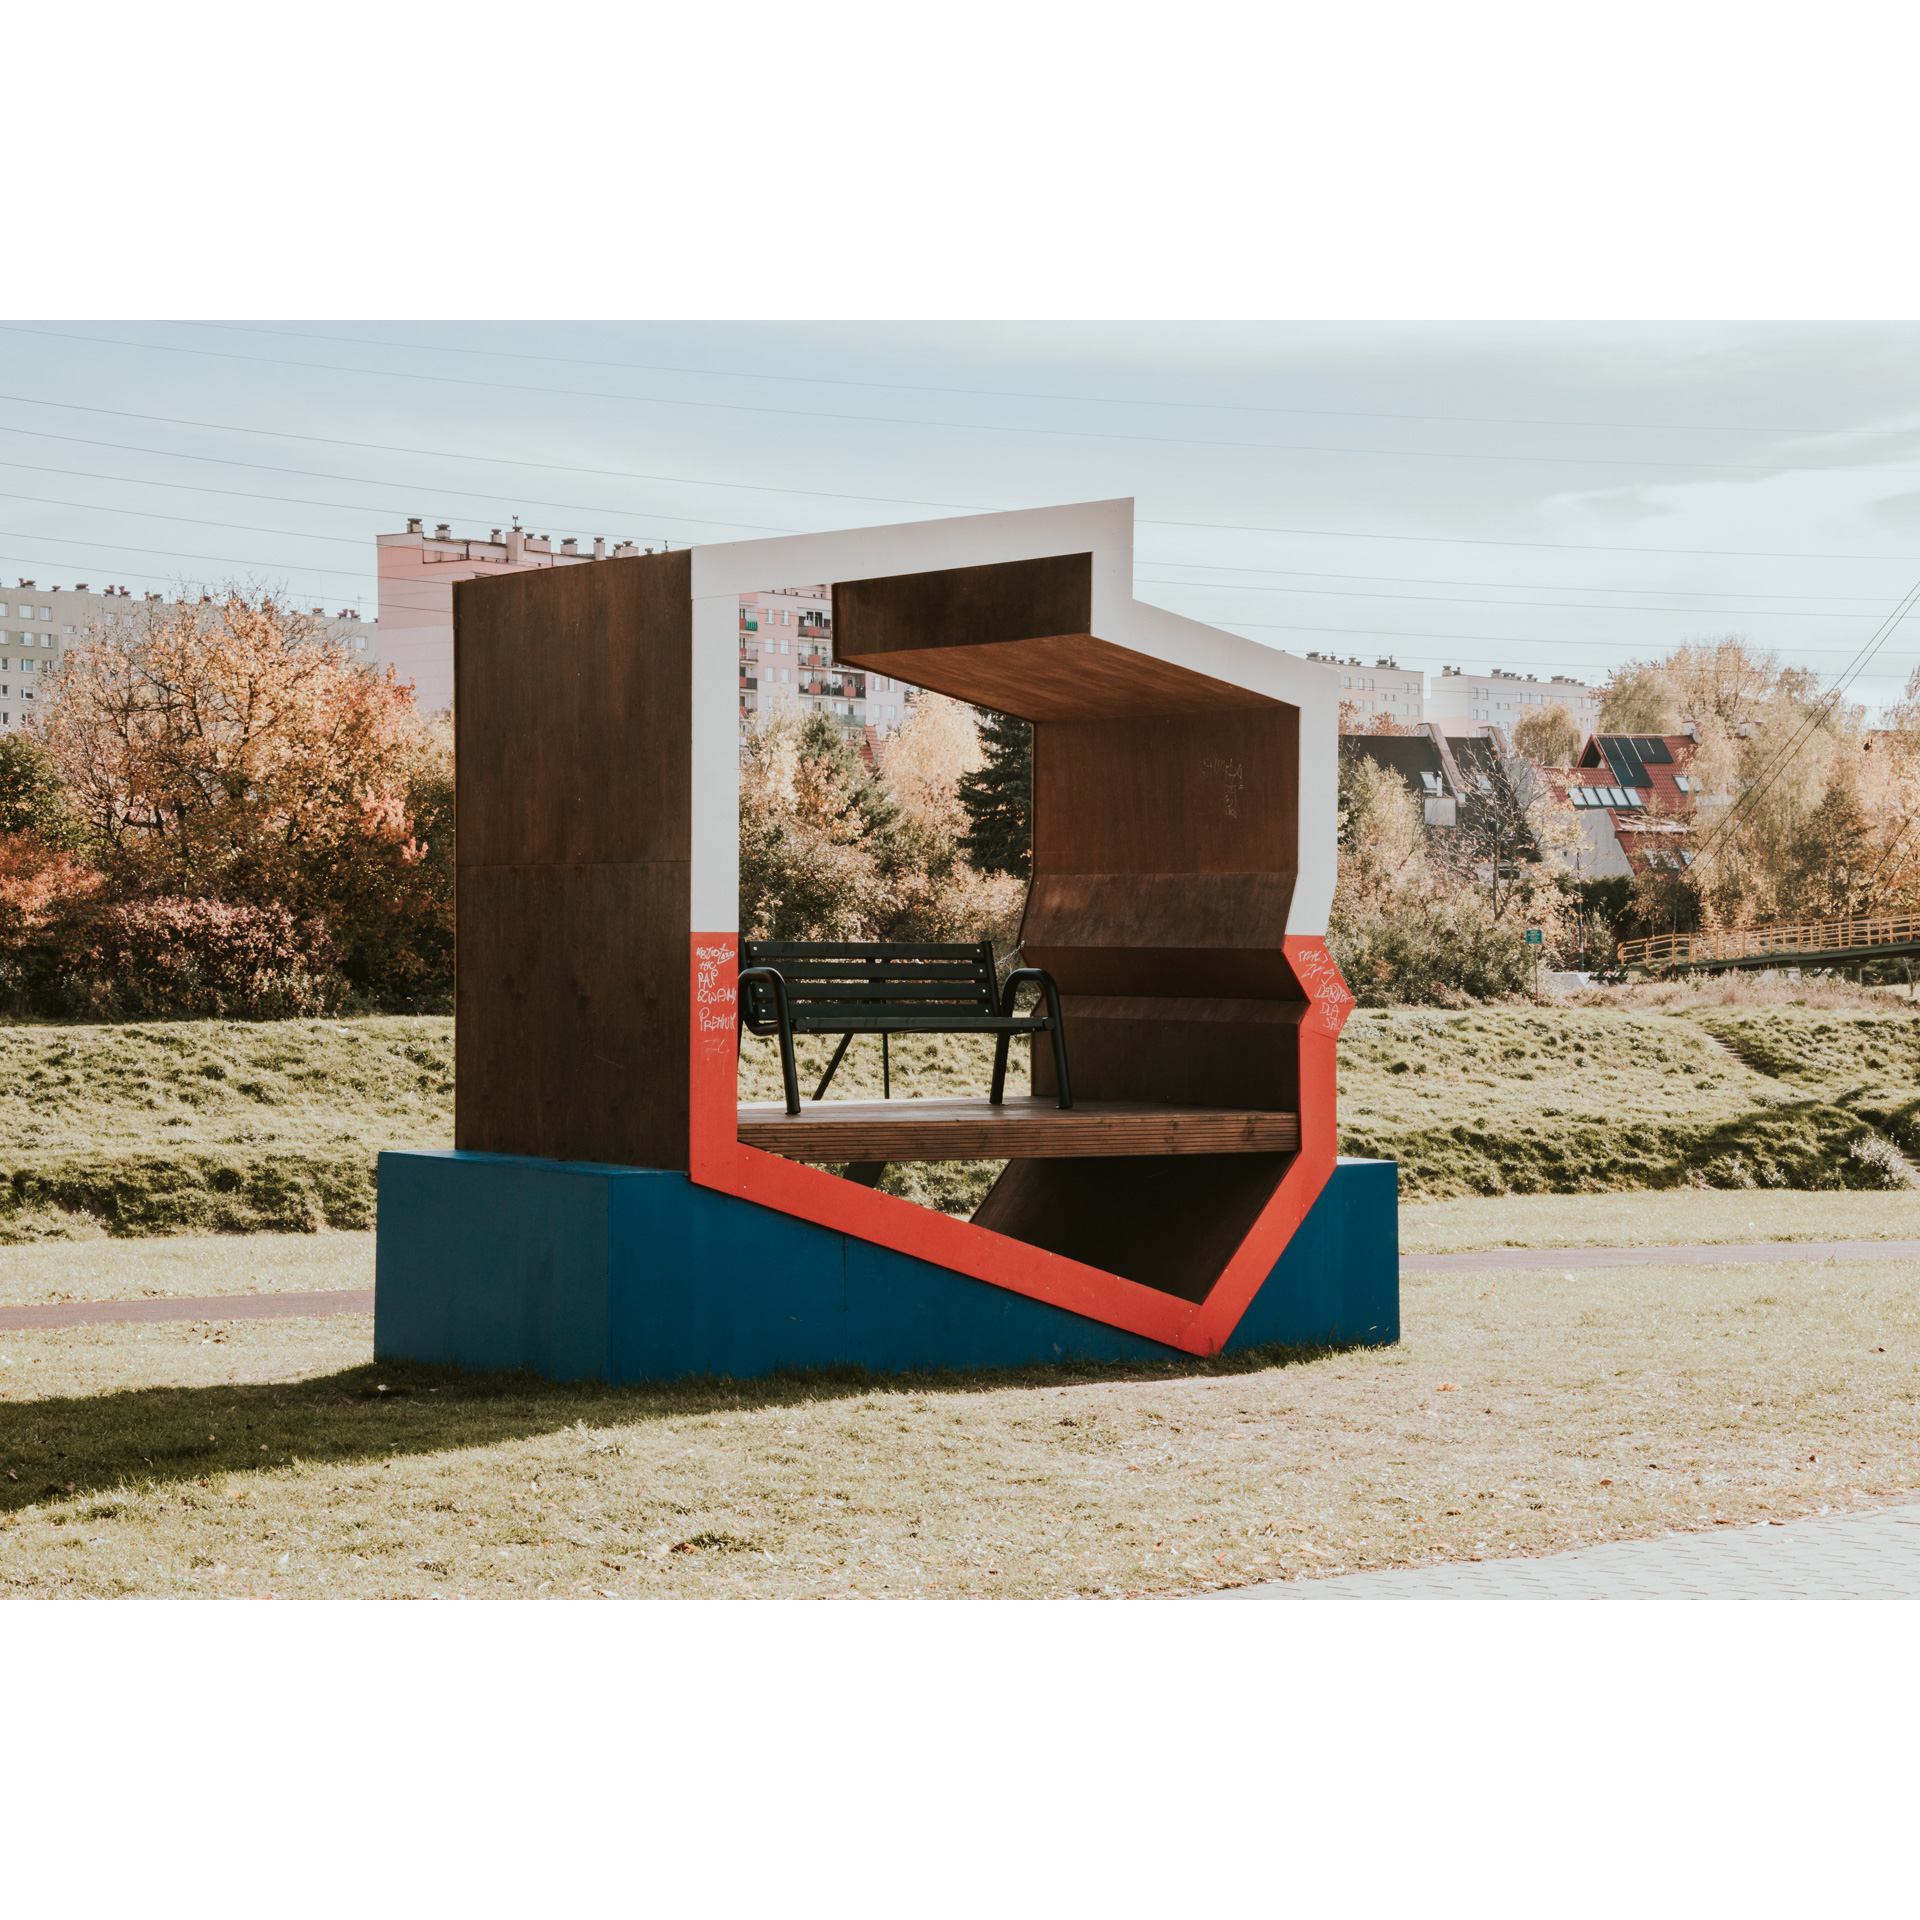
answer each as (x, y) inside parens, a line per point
(915, 992)
(769, 951)
(1019, 1129)
(885, 1023)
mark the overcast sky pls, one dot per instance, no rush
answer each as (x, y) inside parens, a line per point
(1537, 497)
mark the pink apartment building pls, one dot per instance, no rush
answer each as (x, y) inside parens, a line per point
(786, 635)
(417, 573)
(786, 659)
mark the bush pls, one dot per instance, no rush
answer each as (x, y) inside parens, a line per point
(198, 958)
(1438, 953)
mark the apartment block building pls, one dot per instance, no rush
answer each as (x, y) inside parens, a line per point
(1385, 687)
(1463, 702)
(38, 624)
(417, 572)
(786, 659)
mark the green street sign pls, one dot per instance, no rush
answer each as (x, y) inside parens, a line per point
(1535, 937)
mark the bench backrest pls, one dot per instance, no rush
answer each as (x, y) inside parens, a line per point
(918, 985)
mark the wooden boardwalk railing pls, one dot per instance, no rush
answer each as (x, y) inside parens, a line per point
(1803, 939)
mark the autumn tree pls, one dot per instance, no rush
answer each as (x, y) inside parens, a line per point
(830, 852)
(1406, 924)
(927, 760)
(1550, 735)
(231, 750)
(1636, 700)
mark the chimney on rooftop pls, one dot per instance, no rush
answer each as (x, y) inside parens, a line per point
(569, 545)
(415, 524)
(516, 546)
(599, 548)
(443, 531)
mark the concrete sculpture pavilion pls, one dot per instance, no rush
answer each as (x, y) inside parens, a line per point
(611, 1211)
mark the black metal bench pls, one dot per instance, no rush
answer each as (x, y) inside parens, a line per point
(814, 986)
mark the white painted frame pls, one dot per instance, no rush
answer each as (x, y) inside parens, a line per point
(1104, 528)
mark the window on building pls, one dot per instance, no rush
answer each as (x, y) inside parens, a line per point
(46, 613)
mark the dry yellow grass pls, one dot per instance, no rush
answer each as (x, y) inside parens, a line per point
(1524, 1412)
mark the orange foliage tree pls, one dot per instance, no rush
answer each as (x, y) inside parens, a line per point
(231, 750)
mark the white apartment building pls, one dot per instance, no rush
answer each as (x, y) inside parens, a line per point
(1466, 702)
(38, 624)
(1385, 687)
(786, 658)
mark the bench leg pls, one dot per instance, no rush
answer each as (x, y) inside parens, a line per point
(789, 1071)
(886, 1070)
(865, 1173)
(1000, 1045)
(831, 1065)
(1060, 1064)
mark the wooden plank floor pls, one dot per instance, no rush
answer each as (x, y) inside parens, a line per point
(1020, 1129)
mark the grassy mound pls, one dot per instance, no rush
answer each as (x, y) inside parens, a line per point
(1570, 1101)
(231, 1126)
(212, 1125)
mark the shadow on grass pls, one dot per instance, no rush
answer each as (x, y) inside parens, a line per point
(57, 1450)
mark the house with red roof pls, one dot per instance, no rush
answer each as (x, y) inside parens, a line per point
(1636, 798)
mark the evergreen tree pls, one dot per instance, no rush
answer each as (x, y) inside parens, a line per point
(999, 799)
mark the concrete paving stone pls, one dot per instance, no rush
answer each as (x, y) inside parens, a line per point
(1844, 1556)
(1748, 1253)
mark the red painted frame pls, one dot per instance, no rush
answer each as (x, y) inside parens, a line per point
(718, 1160)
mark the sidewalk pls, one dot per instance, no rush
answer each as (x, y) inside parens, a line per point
(1847, 1556)
(230, 1306)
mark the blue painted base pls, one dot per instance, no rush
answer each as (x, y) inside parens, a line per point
(496, 1263)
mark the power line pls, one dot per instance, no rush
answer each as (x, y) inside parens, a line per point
(1457, 639)
(334, 539)
(1444, 580)
(1001, 393)
(820, 493)
(900, 420)
(1551, 606)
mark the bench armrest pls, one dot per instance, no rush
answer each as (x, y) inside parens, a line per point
(1042, 979)
(1051, 995)
(782, 1026)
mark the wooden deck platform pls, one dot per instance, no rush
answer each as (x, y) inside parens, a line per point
(1019, 1129)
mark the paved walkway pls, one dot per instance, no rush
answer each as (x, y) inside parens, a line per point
(1846, 1556)
(293, 1306)
(225, 1306)
(1753, 1251)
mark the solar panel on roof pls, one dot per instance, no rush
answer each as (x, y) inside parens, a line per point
(1624, 761)
(1654, 752)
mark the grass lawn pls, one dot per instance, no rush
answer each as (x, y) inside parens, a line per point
(1743, 1098)
(212, 1125)
(196, 1127)
(1524, 1411)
